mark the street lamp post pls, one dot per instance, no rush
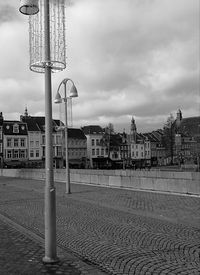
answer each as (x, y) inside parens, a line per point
(46, 56)
(59, 99)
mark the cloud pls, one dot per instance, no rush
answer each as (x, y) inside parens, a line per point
(130, 57)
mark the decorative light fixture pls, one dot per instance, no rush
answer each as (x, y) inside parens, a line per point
(29, 7)
(58, 99)
(47, 55)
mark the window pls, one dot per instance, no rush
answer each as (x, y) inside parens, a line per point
(0, 132)
(31, 143)
(31, 154)
(16, 142)
(9, 154)
(0, 147)
(59, 151)
(37, 143)
(15, 128)
(58, 139)
(142, 154)
(93, 152)
(22, 154)
(9, 142)
(22, 142)
(43, 151)
(37, 153)
(92, 142)
(102, 151)
(97, 151)
(136, 153)
(16, 154)
(97, 142)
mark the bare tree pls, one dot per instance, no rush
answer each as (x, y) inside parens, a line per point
(169, 136)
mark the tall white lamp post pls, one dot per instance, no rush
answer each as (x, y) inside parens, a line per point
(47, 54)
(59, 99)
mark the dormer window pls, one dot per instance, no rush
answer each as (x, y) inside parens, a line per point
(16, 128)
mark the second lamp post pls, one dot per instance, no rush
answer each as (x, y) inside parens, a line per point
(59, 99)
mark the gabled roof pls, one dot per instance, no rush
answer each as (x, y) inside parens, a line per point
(189, 126)
(8, 127)
(92, 130)
(150, 137)
(31, 124)
(76, 133)
(37, 123)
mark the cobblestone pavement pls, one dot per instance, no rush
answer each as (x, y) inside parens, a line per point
(22, 255)
(120, 231)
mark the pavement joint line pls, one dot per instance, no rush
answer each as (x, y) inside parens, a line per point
(88, 267)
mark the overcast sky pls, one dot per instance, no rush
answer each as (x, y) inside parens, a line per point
(127, 58)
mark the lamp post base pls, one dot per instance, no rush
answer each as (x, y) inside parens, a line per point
(48, 260)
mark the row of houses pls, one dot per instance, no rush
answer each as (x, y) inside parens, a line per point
(22, 144)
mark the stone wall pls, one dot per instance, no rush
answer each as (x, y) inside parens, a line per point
(154, 180)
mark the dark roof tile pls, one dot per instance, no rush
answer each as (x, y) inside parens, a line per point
(92, 129)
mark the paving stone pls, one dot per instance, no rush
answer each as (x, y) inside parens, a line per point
(117, 231)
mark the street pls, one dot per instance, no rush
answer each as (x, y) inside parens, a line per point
(118, 231)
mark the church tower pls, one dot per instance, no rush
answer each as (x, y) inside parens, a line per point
(133, 133)
(26, 112)
(178, 117)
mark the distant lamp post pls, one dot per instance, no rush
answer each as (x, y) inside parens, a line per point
(47, 54)
(59, 99)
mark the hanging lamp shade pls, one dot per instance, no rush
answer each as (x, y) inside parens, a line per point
(73, 91)
(58, 98)
(29, 7)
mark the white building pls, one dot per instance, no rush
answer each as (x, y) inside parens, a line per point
(140, 147)
(94, 134)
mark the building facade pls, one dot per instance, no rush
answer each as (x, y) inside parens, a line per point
(15, 143)
(94, 135)
(77, 148)
(1, 140)
(140, 147)
(187, 139)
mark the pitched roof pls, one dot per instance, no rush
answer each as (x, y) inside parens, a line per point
(8, 128)
(37, 123)
(92, 129)
(76, 133)
(31, 124)
(150, 137)
(190, 126)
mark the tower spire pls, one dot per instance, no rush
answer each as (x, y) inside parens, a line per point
(26, 112)
(133, 130)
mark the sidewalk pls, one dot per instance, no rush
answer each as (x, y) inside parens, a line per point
(21, 254)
